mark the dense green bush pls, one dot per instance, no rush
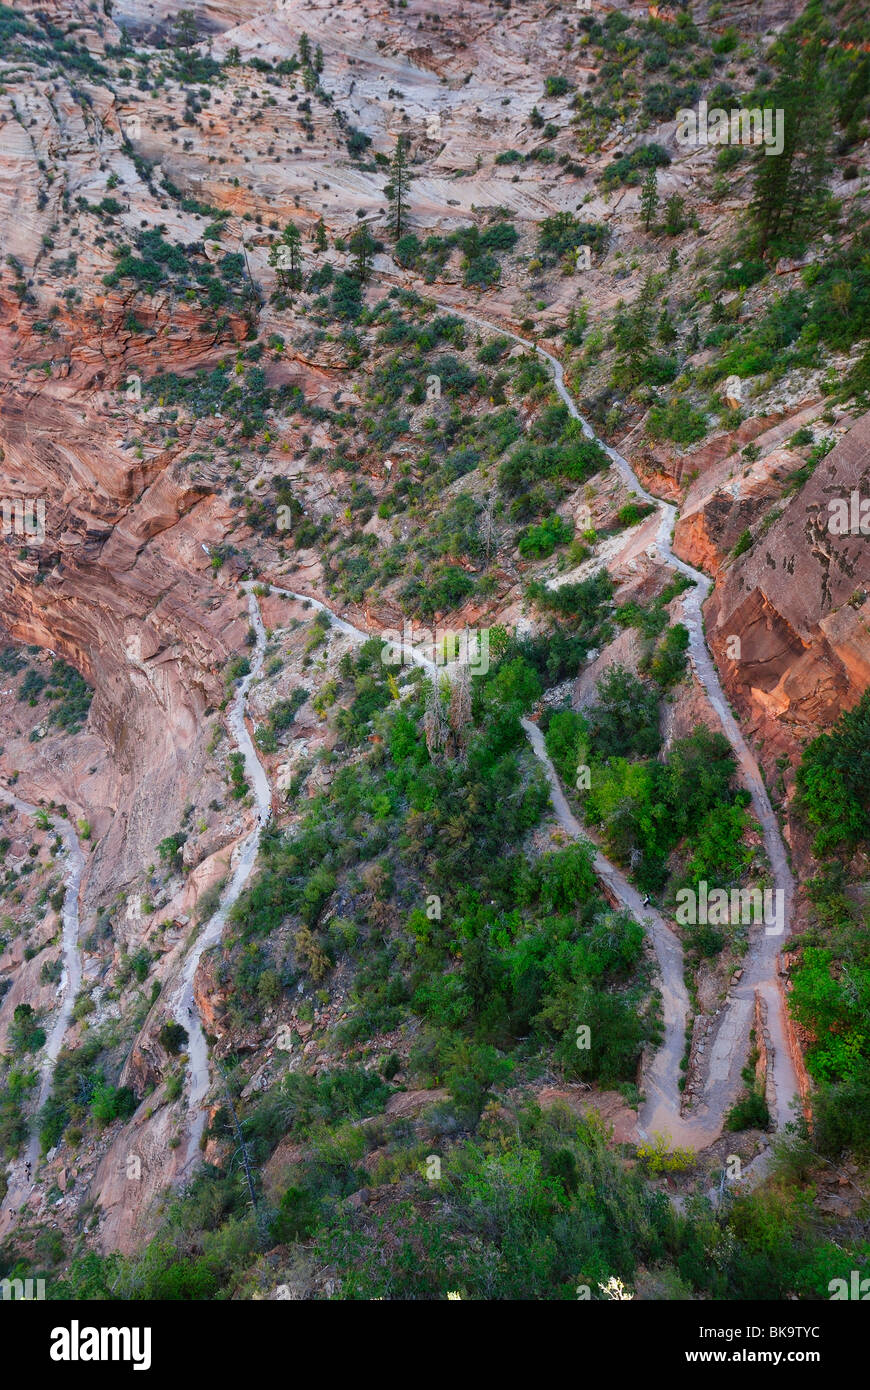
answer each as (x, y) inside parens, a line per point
(562, 232)
(537, 542)
(624, 720)
(679, 420)
(446, 589)
(575, 460)
(173, 1037)
(24, 1033)
(834, 781)
(648, 809)
(632, 168)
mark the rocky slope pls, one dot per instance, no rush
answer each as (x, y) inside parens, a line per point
(797, 600)
(143, 498)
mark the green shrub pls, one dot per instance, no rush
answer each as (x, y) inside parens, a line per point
(833, 781)
(624, 720)
(24, 1033)
(743, 543)
(169, 850)
(632, 168)
(173, 1037)
(679, 421)
(110, 1103)
(749, 1113)
(540, 541)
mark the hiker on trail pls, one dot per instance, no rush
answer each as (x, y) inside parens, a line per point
(646, 901)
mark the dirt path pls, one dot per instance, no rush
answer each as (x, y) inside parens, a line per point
(730, 1044)
(23, 1172)
(183, 1003)
(661, 1112)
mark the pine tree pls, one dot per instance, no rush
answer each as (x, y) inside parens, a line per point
(185, 32)
(318, 59)
(633, 334)
(852, 102)
(320, 242)
(304, 49)
(286, 256)
(649, 198)
(666, 331)
(184, 36)
(397, 188)
(362, 248)
(787, 185)
(675, 221)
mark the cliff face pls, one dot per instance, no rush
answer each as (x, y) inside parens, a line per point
(123, 585)
(120, 588)
(789, 619)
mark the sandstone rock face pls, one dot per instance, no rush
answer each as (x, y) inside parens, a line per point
(797, 601)
(126, 598)
(123, 585)
(134, 1171)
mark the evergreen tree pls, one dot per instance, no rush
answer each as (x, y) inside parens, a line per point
(633, 333)
(397, 188)
(286, 256)
(666, 331)
(185, 32)
(320, 242)
(304, 50)
(787, 185)
(853, 103)
(675, 220)
(184, 36)
(362, 248)
(649, 198)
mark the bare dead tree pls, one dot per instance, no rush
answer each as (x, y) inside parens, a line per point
(459, 711)
(435, 726)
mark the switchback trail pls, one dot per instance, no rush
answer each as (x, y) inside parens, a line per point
(183, 1003)
(184, 1006)
(661, 1112)
(22, 1174)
